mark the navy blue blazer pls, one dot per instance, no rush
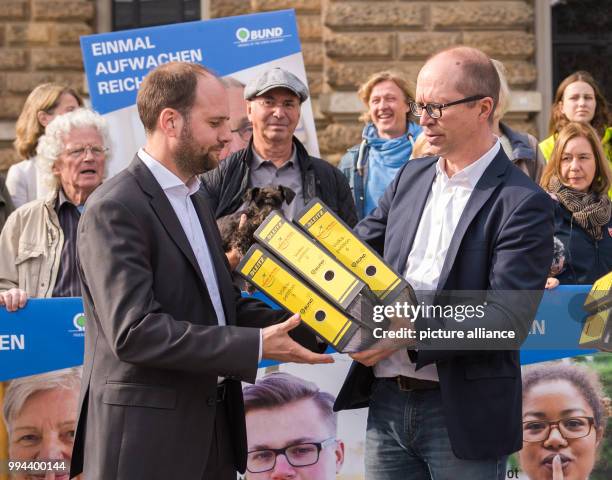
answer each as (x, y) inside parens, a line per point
(503, 242)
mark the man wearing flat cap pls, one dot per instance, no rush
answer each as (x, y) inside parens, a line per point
(275, 156)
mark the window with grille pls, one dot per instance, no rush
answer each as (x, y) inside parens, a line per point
(582, 40)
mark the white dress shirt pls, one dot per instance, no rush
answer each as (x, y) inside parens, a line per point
(443, 209)
(179, 196)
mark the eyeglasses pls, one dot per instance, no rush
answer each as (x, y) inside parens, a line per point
(434, 110)
(270, 103)
(244, 131)
(97, 151)
(569, 428)
(299, 455)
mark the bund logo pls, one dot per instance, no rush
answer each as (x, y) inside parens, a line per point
(79, 321)
(242, 34)
(259, 36)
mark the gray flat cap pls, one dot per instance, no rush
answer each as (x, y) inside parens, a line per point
(275, 78)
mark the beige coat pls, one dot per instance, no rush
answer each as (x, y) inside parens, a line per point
(30, 248)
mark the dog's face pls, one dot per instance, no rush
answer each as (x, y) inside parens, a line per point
(271, 197)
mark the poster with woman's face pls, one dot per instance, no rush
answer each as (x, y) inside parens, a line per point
(566, 406)
(39, 414)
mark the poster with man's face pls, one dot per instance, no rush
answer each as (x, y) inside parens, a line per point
(292, 431)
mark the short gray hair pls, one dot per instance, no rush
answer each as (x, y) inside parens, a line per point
(20, 389)
(51, 144)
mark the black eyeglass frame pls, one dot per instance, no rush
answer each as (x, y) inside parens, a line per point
(549, 425)
(282, 451)
(417, 108)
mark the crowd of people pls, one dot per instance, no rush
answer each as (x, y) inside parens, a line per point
(440, 186)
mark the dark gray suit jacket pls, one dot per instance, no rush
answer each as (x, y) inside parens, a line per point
(503, 242)
(153, 348)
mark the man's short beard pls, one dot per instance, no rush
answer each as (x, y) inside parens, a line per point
(191, 158)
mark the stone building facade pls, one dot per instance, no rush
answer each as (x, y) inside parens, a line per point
(343, 42)
(39, 42)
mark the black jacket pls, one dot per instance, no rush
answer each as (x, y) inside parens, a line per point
(586, 259)
(226, 184)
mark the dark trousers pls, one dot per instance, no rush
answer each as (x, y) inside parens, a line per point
(220, 465)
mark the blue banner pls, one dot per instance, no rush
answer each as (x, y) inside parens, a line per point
(240, 47)
(116, 63)
(558, 324)
(48, 333)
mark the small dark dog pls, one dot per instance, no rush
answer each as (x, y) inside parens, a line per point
(259, 203)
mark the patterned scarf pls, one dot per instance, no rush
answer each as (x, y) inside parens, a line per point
(591, 211)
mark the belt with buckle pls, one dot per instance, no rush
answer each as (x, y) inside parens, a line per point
(408, 384)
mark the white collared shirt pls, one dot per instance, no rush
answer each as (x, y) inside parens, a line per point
(443, 209)
(179, 196)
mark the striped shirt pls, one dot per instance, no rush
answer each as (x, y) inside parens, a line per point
(67, 283)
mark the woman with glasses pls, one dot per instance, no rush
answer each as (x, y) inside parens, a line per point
(564, 419)
(44, 103)
(578, 176)
(38, 242)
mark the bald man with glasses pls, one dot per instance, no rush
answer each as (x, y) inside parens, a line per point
(463, 219)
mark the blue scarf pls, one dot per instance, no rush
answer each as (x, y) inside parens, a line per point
(385, 158)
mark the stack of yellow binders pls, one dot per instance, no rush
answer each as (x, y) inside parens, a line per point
(319, 268)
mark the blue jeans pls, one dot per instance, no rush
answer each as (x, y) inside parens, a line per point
(407, 439)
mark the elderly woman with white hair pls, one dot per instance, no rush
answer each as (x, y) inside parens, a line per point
(38, 242)
(521, 148)
(40, 413)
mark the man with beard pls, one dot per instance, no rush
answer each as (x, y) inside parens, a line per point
(168, 337)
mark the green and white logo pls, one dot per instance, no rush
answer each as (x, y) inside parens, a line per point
(79, 322)
(242, 34)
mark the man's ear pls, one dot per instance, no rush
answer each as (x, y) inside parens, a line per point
(170, 122)
(486, 108)
(249, 105)
(339, 455)
(55, 169)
